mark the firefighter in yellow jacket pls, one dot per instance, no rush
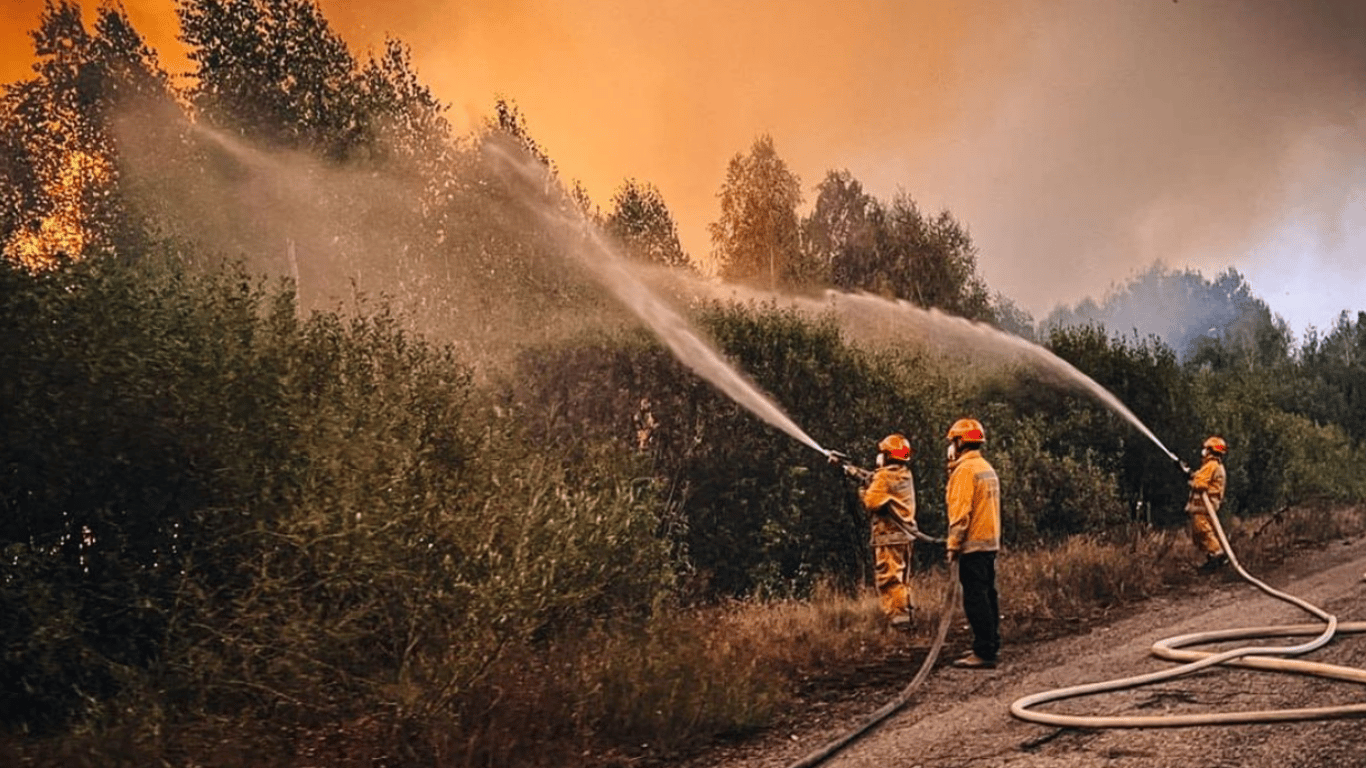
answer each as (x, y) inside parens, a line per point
(1209, 480)
(889, 498)
(973, 501)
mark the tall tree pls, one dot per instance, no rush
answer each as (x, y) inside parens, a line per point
(1332, 378)
(840, 235)
(931, 261)
(641, 220)
(60, 187)
(757, 236)
(275, 70)
(1218, 320)
(861, 244)
(404, 120)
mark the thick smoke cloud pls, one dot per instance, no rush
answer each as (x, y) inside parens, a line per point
(1205, 134)
(1079, 141)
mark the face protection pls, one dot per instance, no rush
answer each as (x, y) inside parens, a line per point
(880, 460)
(953, 450)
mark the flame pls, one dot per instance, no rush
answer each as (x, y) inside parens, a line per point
(65, 229)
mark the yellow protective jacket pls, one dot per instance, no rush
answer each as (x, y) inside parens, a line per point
(973, 499)
(892, 488)
(1210, 479)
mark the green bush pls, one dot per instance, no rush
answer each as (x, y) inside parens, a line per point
(253, 513)
(754, 510)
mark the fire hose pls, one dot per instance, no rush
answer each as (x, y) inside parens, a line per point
(887, 710)
(941, 632)
(1252, 657)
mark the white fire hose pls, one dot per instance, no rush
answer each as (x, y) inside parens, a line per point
(941, 632)
(1254, 657)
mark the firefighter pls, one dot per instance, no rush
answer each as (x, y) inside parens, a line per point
(973, 502)
(1209, 480)
(888, 495)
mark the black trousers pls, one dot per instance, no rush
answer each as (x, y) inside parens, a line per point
(977, 574)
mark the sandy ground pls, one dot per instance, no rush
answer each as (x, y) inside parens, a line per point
(962, 718)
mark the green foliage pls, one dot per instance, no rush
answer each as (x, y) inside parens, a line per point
(1050, 495)
(275, 70)
(1145, 376)
(251, 512)
(756, 511)
(1329, 381)
(640, 219)
(894, 250)
(841, 232)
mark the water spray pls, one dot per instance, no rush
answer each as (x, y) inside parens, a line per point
(611, 270)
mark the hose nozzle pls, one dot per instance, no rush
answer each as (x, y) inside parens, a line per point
(841, 460)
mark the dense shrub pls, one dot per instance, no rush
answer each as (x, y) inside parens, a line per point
(210, 497)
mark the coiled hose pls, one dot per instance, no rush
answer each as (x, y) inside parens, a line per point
(1253, 657)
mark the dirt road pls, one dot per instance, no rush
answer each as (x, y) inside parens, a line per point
(962, 718)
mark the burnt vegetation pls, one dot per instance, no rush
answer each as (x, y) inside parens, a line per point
(316, 449)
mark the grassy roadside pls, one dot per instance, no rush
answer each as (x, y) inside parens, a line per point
(702, 677)
(662, 690)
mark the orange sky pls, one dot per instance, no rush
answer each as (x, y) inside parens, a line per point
(1079, 141)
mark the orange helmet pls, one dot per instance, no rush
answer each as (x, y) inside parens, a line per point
(897, 447)
(1216, 445)
(969, 430)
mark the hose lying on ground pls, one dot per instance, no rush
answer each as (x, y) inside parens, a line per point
(941, 632)
(1250, 657)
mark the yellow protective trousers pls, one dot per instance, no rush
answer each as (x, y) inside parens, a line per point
(892, 568)
(1202, 533)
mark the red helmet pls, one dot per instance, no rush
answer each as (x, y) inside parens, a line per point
(1216, 445)
(896, 447)
(969, 430)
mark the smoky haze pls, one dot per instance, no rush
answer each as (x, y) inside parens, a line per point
(1078, 141)
(1189, 133)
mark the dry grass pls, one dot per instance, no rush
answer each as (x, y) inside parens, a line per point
(693, 677)
(647, 692)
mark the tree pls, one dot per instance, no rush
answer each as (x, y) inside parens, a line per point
(1330, 385)
(840, 235)
(640, 219)
(1219, 322)
(931, 261)
(275, 70)
(508, 122)
(1011, 318)
(758, 235)
(405, 122)
(894, 250)
(60, 190)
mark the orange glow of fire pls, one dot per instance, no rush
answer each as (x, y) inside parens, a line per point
(64, 229)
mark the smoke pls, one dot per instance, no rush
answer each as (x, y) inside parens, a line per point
(1078, 141)
(1193, 133)
(460, 266)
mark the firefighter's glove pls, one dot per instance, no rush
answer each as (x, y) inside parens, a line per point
(857, 473)
(1185, 469)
